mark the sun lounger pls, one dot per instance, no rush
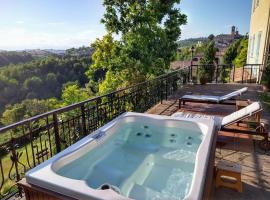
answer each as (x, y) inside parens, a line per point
(223, 123)
(212, 99)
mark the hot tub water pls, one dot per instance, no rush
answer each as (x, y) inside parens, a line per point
(144, 160)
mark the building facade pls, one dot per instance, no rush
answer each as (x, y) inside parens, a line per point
(259, 39)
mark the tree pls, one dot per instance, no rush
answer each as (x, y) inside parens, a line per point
(207, 70)
(231, 53)
(148, 33)
(241, 58)
(209, 54)
(73, 94)
(25, 109)
(33, 84)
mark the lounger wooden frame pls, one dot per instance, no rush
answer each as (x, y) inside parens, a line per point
(258, 131)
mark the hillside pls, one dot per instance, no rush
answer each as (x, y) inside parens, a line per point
(191, 41)
(14, 57)
(43, 78)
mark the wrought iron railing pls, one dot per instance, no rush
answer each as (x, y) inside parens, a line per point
(27, 143)
(249, 73)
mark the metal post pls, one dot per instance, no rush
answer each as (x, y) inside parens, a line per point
(166, 89)
(15, 159)
(251, 67)
(233, 72)
(216, 73)
(161, 91)
(191, 63)
(243, 74)
(191, 74)
(83, 120)
(197, 73)
(56, 133)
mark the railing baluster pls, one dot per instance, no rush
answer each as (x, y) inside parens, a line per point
(83, 120)
(166, 88)
(49, 135)
(56, 133)
(233, 72)
(243, 74)
(251, 67)
(216, 73)
(31, 142)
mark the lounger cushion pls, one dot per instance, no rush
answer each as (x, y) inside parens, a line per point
(249, 110)
(216, 99)
(233, 94)
(234, 117)
(201, 98)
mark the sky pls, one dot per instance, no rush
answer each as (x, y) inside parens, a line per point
(62, 24)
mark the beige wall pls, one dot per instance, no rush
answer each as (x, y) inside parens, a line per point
(259, 25)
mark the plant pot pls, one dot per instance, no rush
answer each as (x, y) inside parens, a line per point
(203, 80)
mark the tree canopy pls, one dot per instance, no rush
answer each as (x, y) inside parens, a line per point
(241, 58)
(208, 59)
(209, 54)
(148, 32)
(237, 53)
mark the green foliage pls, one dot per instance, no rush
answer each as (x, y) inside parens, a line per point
(232, 52)
(149, 31)
(241, 58)
(208, 60)
(25, 109)
(209, 54)
(40, 79)
(265, 99)
(73, 94)
(33, 84)
(266, 75)
(185, 52)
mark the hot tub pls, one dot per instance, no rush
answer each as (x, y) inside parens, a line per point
(135, 156)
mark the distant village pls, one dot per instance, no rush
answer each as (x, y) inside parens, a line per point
(222, 42)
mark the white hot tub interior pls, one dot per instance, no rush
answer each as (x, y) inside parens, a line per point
(141, 158)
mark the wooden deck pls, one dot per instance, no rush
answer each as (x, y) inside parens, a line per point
(238, 148)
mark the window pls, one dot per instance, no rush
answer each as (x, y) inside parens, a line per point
(249, 46)
(258, 45)
(258, 3)
(252, 46)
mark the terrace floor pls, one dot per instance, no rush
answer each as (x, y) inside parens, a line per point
(238, 148)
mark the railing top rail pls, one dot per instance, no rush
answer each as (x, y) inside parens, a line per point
(76, 105)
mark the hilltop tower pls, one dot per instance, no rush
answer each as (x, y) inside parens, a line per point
(233, 31)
